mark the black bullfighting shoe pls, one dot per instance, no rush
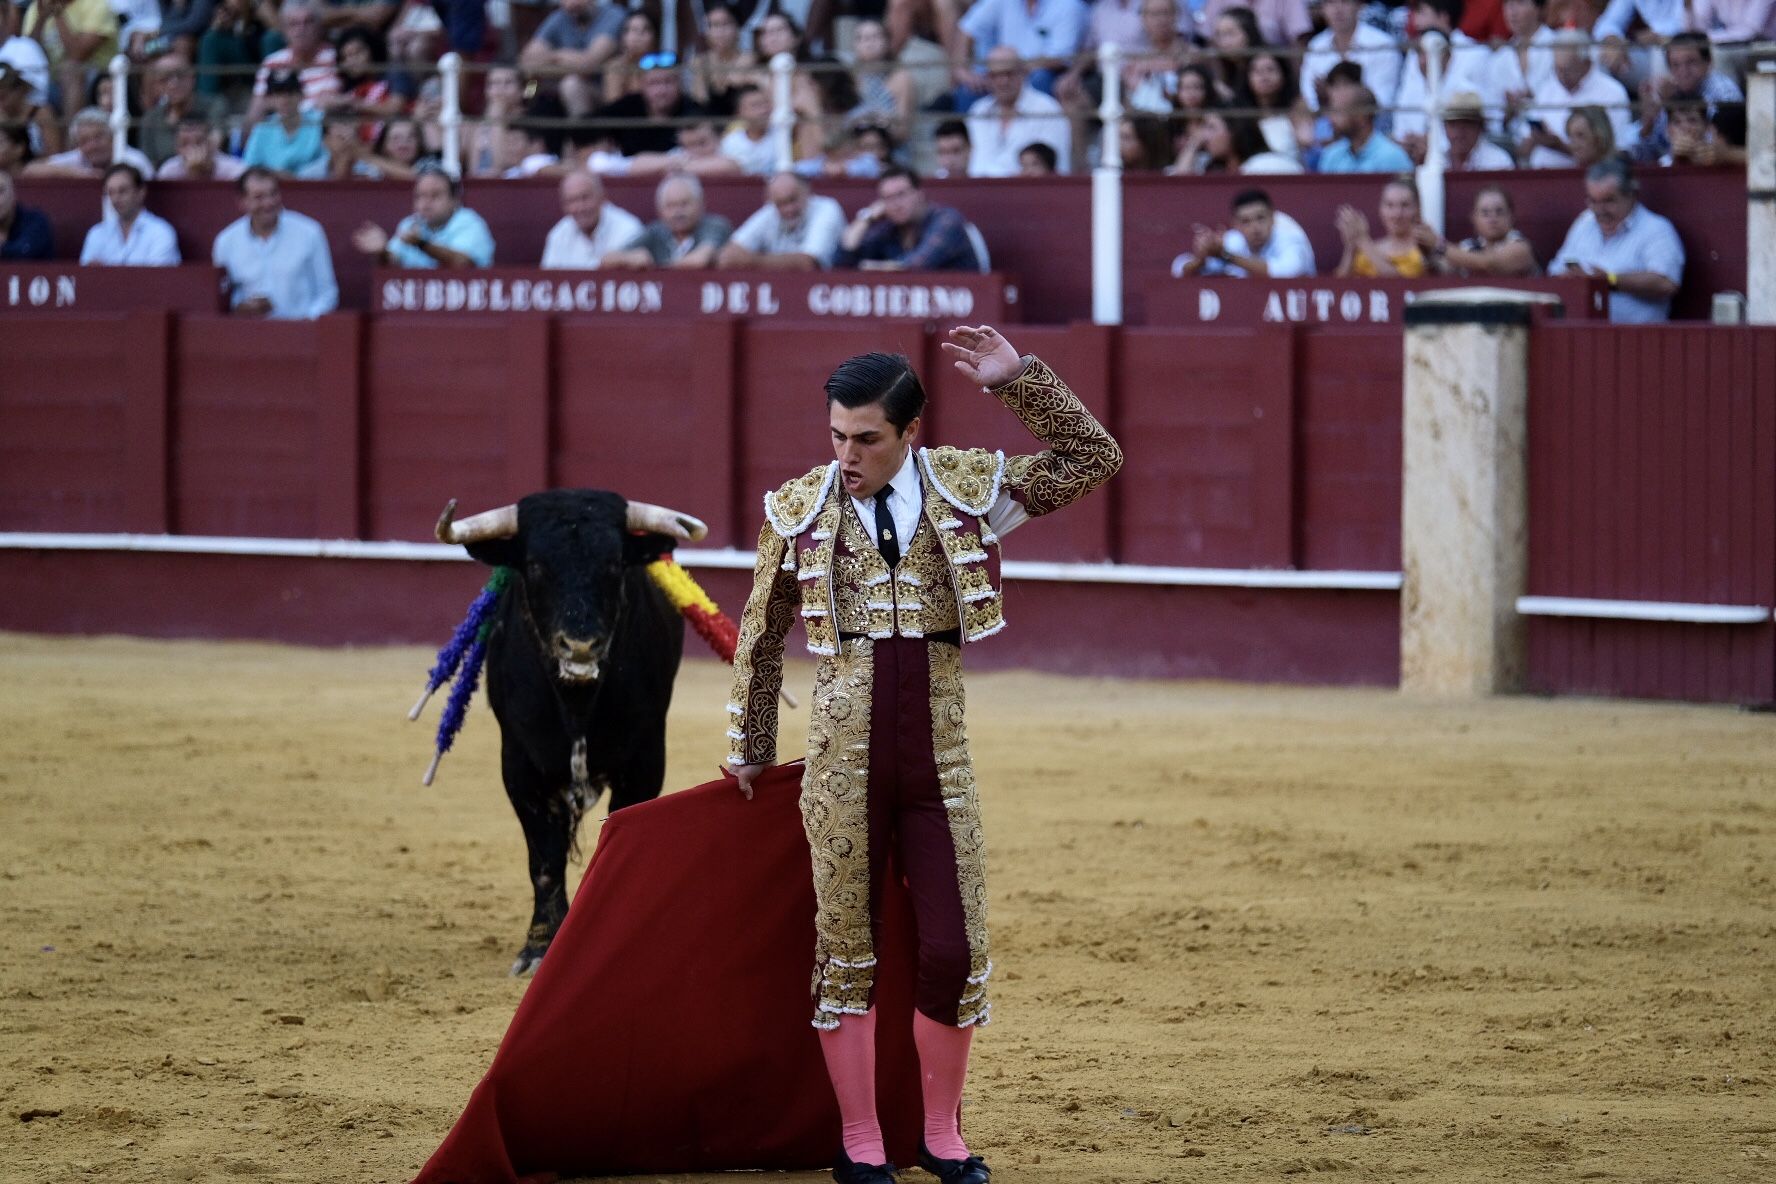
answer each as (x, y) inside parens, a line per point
(973, 1170)
(847, 1172)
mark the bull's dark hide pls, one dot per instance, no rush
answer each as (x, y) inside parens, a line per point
(580, 601)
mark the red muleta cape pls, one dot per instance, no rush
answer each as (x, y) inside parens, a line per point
(667, 1029)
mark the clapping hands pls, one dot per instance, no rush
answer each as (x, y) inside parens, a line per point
(1353, 226)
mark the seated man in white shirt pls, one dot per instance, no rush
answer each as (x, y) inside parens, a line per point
(1012, 115)
(1266, 243)
(132, 237)
(590, 227)
(1576, 83)
(279, 263)
(795, 230)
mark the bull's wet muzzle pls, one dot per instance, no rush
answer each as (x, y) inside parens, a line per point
(578, 661)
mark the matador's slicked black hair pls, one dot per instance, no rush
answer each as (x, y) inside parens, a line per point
(879, 378)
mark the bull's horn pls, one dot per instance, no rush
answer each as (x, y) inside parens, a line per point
(660, 520)
(494, 524)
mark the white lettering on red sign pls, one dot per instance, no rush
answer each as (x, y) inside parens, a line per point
(498, 295)
(39, 292)
(1301, 305)
(889, 300)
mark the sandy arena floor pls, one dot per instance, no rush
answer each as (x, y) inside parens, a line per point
(1247, 932)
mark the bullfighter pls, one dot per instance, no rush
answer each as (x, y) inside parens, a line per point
(889, 556)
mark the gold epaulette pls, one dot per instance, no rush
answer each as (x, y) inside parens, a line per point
(968, 478)
(791, 507)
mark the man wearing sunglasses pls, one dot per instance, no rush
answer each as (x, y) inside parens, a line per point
(661, 101)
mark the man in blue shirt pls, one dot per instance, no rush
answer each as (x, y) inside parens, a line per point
(1361, 149)
(1633, 250)
(278, 261)
(24, 233)
(902, 231)
(289, 138)
(440, 232)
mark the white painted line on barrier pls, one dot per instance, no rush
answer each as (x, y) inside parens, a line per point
(1642, 610)
(725, 558)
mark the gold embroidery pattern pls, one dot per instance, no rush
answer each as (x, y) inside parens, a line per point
(791, 506)
(1080, 456)
(862, 580)
(968, 479)
(979, 604)
(955, 775)
(924, 595)
(835, 815)
(758, 656)
(814, 573)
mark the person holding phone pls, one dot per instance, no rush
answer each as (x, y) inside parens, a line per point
(278, 261)
(1634, 251)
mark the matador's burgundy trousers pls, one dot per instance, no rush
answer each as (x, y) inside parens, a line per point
(907, 816)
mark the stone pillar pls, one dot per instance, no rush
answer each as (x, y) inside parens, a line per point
(1463, 546)
(1760, 184)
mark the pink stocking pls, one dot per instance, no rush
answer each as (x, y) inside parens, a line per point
(850, 1051)
(943, 1067)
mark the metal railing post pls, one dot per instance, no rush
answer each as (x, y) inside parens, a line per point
(783, 110)
(1107, 195)
(1430, 173)
(450, 118)
(119, 106)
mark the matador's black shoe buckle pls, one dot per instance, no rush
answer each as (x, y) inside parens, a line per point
(846, 1172)
(973, 1170)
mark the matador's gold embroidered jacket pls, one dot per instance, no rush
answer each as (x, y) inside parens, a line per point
(817, 561)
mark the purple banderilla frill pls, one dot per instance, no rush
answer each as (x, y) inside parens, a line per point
(462, 657)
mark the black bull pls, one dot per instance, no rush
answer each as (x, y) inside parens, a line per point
(580, 664)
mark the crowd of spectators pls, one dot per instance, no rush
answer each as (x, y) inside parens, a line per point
(266, 92)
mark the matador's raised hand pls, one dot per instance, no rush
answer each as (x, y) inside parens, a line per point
(983, 356)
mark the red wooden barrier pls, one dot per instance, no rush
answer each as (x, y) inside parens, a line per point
(1348, 421)
(265, 442)
(456, 408)
(1272, 448)
(1206, 417)
(1653, 478)
(652, 414)
(364, 426)
(84, 400)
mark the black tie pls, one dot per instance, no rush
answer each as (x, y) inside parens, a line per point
(885, 540)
